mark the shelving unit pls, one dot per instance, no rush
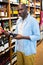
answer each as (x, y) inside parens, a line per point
(8, 17)
(8, 14)
(35, 8)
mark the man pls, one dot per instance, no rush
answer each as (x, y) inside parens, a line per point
(28, 33)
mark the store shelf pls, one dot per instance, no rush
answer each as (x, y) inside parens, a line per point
(38, 4)
(3, 52)
(33, 15)
(3, 2)
(14, 59)
(12, 46)
(6, 45)
(7, 18)
(13, 3)
(13, 17)
(37, 12)
(7, 22)
(31, 5)
(13, 40)
(7, 49)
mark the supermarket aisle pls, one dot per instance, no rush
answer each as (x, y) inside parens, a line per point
(39, 55)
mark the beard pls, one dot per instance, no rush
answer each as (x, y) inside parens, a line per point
(23, 14)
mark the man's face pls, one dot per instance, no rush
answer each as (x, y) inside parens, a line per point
(21, 11)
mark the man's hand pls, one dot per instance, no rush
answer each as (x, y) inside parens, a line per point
(19, 36)
(6, 33)
(22, 37)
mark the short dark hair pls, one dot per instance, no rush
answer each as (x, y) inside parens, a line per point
(24, 6)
